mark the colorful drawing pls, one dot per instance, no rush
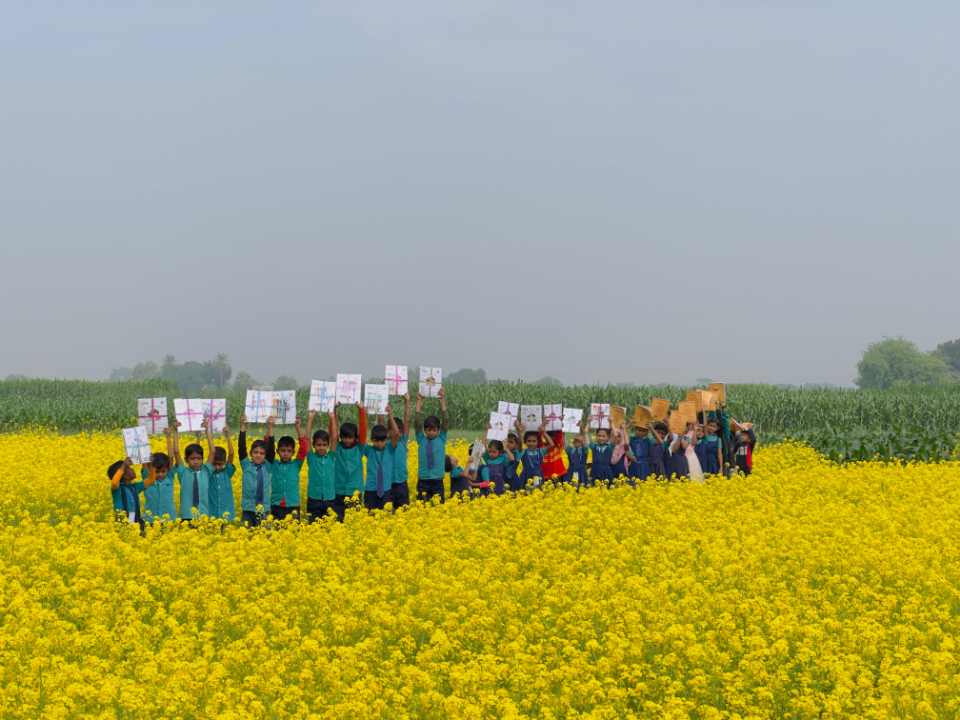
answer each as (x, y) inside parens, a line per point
(152, 414)
(284, 407)
(500, 425)
(323, 396)
(600, 416)
(531, 416)
(431, 381)
(376, 398)
(348, 388)
(258, 406)
(572, 419)
(189, 413)
(136, 444)
(553, 417)
(396, 379)
(509, 408)
(215, 413)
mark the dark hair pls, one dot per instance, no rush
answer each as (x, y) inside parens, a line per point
(321, 435)
(431, 423)
(286, 442)
(112, 470)
(193, 449)
(513, 436)
(378, 433)
(606, 430)
(219, 455)
(447, 463)
(496, 445)
(348, 430)
(160, 461)
(258, 444)
(530, 433)
(661, 427)
(399, 424)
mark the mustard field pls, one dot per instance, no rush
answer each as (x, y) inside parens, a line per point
(807, 590)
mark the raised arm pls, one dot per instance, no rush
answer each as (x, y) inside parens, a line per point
(209, 431)
(268, 438)
(310, 417)
(545, 439)
(392, 429)
(151, 476)
(176, 443)
(303, 444)
(242, 439)
(229, 441)
(444, 421)
(418, 416)
(361, 424)
(333, 427)
(406, 414)
(118, 475)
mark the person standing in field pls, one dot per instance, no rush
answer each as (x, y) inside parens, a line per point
(158, 497)
(125, 492)
(348, 463)
(743, 450)
(285, 484)
(321, 487)
(257, 478)
(431, 450)
(194, 477)
(400, 488)
(222, 471)
(531, 459)
(577, 456)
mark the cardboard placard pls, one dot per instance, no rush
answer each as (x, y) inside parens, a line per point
(677, 423)
(190, 413)
(284, 407)
(215, 413)
(720, 390)
(642, 416)
(659, 408)
(687, 410)
(376, 397)
(618, 417)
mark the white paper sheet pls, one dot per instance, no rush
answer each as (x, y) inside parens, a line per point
(152, 414)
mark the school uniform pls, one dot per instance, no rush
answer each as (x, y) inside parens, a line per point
(379, 477)
(743, 453)
(531, 467)
(285, 487)
(347, 476)
(640, 447)
(618, 468)
(576, 464)
(514, 483)
(700, 450)
(659, 455)
(399, 487)
(222, 505)
(194, 491)
(459, 483)
(601, 462)
(126, 501)
(320, 484)
(158, 498)
(495, 472)
(709, 462)
(678, 463)
(256, 482)
(432, 454)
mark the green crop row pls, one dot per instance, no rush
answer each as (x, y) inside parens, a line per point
(910, 423)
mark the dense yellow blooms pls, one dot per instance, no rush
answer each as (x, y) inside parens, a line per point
(806, 590)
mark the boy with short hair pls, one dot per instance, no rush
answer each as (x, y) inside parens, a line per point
(531, 459)
(158, 497)
(194, 477)
(125, 492)
(285, 487)
(321, 488)
(348, 462)
(431, 450)
(222, 470)
(400, 488)
(256, 481)
(379, 466)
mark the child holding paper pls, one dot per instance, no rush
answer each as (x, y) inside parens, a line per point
(285, 486)
(348, 463)
(221, 470)
(400, 489)
(713, 449)
(380, 459)
(194, 477)
(640, 449)
(495, 470)
(531, 460)
(125, 492)
(257, 480)
(601, 456)
(459, 480)
(659, 450)
(321, 487)
(743, 448)
(577, 456)
(159, 496)
(431, 449)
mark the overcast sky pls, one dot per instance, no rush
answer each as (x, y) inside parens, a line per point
(600, 191)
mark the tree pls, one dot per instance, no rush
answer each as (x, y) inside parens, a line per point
(244, 381)
(466, 376)
(220, 366)
(896, 361)
(285, 382)
(949, 352)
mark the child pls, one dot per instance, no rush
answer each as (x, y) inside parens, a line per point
(577, 457)
(159, 496)
(400, 489)
(713, 449)
(222, 471)
(194, 477)
(678, 457)
(700, 449)
(601, 454)
(552, 466)
(320, 461)
(743, 448)
(459, 480)
(125, 492)
(512, 451)
(285, 487)
(257, 479)
(432, 449)
(348, 463)
(659, 450)
(379, 467)
(495, 470)
(620, 457)
(531, 460)
(640, 448)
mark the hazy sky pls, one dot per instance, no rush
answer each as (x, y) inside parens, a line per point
(601, 191)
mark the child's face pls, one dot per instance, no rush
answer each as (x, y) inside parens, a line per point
(431, 432)
(258, 455)
(348, 442)
(640, 432)
(531, 442)
(219, 465)
(700, 432)
(129, 475)
(195, 461)
(578, 442)
(511, 443)
(493, 451)
(321, 446)
(379, 444)
(603, 436)
(285, 452)
(711, 428)
(161, 473)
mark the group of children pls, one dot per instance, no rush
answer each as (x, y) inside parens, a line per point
(270, 472)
